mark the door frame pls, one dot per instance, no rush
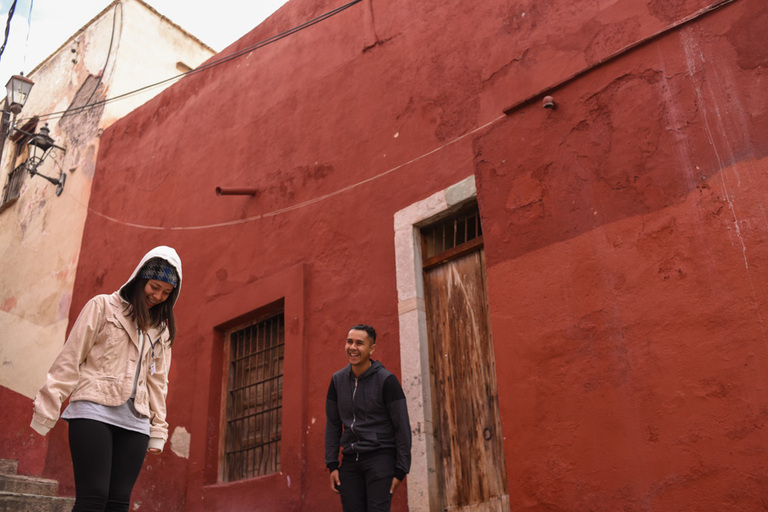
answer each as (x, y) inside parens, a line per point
(414, 345)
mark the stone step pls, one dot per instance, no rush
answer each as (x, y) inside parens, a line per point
(28, 485)
(19, 493)
(9, 467)
(15, 502)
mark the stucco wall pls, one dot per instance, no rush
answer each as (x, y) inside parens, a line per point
(626, 244)
(126, 47)
(616, 269)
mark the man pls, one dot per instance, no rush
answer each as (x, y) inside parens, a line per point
(366, 416)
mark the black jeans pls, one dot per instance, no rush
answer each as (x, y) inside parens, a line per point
(366, 480)
(106, 461)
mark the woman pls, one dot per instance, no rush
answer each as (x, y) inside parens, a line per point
(115, 366)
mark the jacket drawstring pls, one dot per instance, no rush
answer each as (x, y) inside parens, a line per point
(162, 347)
(165, 370)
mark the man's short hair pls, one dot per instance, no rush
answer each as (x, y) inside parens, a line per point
(370, 331)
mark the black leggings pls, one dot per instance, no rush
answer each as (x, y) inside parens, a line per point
(106, 461)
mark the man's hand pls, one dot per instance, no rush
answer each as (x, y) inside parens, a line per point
(335, 482)
(394, 486)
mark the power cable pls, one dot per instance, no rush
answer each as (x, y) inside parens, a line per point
(296, 206)
(29, 29)
(205, 67)
(8, 27)
(109, 51)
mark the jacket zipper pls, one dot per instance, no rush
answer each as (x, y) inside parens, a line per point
(354, 419)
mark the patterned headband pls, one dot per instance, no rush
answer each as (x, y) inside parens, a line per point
(160, 270)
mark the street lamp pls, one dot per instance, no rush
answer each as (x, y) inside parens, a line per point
(17, 92)
(40, 144)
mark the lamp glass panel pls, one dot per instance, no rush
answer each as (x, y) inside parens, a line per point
(17, 90)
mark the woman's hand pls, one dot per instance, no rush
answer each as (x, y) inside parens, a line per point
(154, 451)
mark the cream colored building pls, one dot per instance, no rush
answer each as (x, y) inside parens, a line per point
(125, 47)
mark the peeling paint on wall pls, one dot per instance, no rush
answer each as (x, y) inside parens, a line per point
(180, 441)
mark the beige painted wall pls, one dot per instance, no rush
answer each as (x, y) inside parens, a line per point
(40, 233)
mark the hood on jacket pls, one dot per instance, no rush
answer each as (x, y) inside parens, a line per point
(375, 367)
(168, 254)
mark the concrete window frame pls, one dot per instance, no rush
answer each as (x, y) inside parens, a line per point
(414, 348)
(284, 290)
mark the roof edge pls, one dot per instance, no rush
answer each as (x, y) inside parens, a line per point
(103, 12)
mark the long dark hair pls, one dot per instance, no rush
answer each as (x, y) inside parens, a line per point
(145, 317)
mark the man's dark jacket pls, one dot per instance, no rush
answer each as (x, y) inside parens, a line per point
(365, 414)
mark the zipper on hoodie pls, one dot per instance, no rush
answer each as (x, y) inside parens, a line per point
(354, 419)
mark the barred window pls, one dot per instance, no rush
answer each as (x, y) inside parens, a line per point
(254, 400)
(452, 236)
(12, 187)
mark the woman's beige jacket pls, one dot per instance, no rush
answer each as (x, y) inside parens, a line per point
(98, 364)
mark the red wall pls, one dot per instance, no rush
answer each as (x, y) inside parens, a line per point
(624, 233)
(18, 441)
(626, 244)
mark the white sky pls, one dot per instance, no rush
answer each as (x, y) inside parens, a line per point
(217, 23)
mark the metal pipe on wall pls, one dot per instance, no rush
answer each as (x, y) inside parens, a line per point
(222, 191)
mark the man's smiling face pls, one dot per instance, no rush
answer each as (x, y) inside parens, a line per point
(359, 348)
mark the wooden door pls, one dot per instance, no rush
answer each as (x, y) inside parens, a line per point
(472, 473)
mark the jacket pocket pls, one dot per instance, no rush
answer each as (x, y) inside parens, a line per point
(102, 390)
(109, 348)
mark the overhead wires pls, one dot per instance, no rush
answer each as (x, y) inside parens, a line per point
(287, 209)
(303, 204)
(109, 50)
(29, 29)
(205, 67)
(8, 27)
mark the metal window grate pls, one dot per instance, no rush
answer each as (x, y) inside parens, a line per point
(452, 232)
(255, 400)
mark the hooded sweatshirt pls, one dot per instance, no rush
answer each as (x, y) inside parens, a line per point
(366, 414)
(99, 361)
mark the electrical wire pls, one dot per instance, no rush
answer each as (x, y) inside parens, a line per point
(296, 206)
(109, 51)
(314, 200)
(8, 27)
(29, 29)
(204, 67)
